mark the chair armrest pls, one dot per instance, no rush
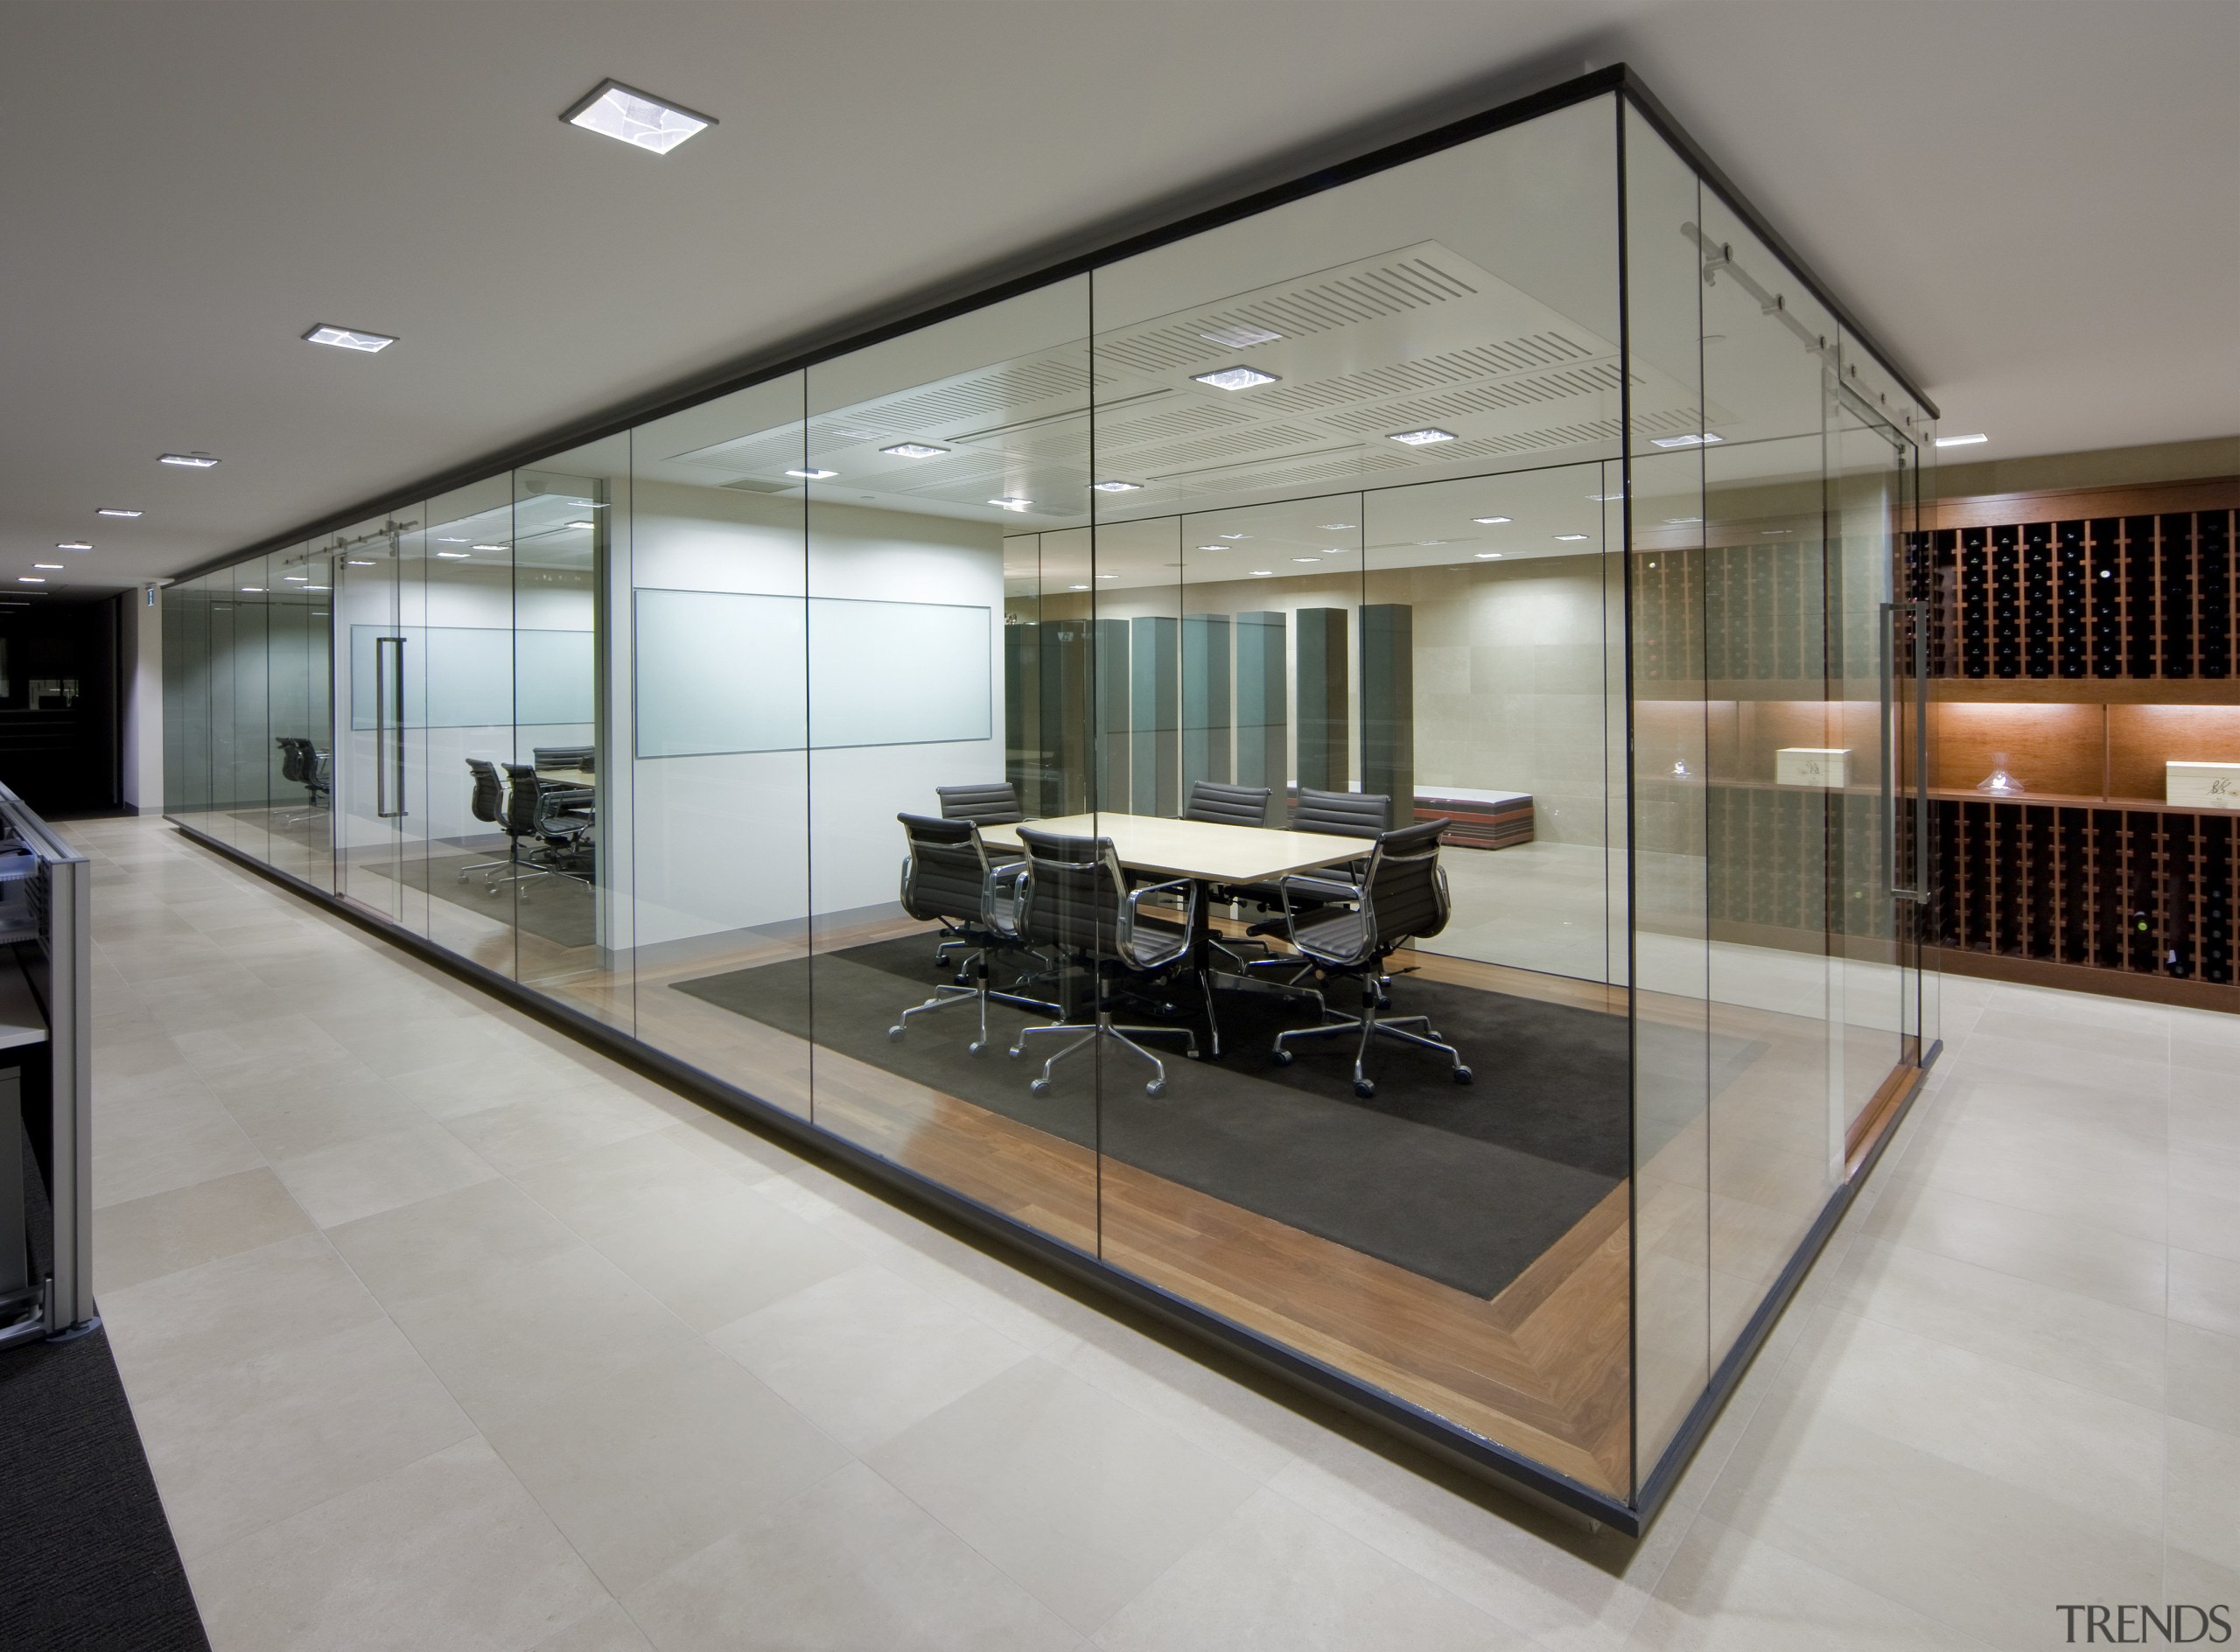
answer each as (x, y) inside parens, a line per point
(1133, 910)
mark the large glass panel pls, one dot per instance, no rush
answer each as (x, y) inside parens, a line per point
(459, 711)
(242, 772)
(710, 709)
(571, 537)
(187, 721)
(1672, 1052)
(1352, 423)
(301, 678)
(369, 757)
(924, 457)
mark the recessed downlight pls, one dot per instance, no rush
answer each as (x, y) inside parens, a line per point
(1077, 587)
(111, 510)
(1427, 437)
(252, 590)
(1232, 535)
(454, 556)
(1306, 559)
(30, 579)
(1490, 555)
(914, 450)
(583, 524)
(357, 561)
(1335, 528)
(351, 338)
(1214, 547)
(637, 118)
(295, 579)
(490, 547)
(1118, 488)
(1009, 502)
(1569, 537)
(1963, 441)
(186, 461)
(813, 473)
(1491, 521)
(74, 544)
(1240, 337)
(1236, 378)
(1264, 573)
(54, 566)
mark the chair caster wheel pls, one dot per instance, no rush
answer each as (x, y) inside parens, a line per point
(978, 1047)
(895, 1033)
(1364, 1088)
(962, 979)
(1041, 1087)
(1157, 1087)
(1283, 1058)
(1015, 1052)
(1189, 1055)
(1462, 1075)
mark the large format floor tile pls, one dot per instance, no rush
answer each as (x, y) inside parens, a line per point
(444, 1332)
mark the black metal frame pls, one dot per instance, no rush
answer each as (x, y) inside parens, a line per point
(909, 314)
(1423, 1428)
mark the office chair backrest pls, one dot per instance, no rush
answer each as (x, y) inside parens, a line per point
(1341, 814)
(946, 877)
(993, 804)
(291, 758)
(563, 756)
(1405, 891)
(1075, 892)
(487, 802)
(521, 799)
(1226, 805)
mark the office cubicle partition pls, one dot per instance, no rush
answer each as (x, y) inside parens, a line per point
(1515, 479)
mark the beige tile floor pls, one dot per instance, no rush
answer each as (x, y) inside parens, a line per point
(443, 1332)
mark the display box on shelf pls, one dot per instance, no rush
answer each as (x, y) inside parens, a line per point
(1812, 766)
(2202, 785)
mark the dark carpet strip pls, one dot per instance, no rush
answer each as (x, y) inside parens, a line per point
(1464, 1184)
(86, 1560)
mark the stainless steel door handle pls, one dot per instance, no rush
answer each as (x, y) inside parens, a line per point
(389, 722)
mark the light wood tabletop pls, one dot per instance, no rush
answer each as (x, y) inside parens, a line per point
(1197, 848)
(568, 777)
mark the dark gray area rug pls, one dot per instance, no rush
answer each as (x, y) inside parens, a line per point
(1464, 1184)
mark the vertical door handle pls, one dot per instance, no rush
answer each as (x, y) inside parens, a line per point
(388, 739)
(1915, 614)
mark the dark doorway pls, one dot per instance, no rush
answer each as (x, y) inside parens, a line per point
(58, 747)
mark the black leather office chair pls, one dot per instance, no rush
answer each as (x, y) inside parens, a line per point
(1331, 813)
(992, 804)
(1402, 897)
(948, 878)
(486, 800)
(582, 757)
(303, 765)
(546, 837)
(1077, 903)
(1225, 805)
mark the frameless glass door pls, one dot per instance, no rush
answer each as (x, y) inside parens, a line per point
(370, 805)
(1873, 668)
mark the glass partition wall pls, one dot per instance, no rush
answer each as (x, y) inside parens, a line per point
(1350, 772)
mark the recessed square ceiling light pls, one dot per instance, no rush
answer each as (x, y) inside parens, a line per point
(614, 110)
(1214, 547)
(74, 544)
(1239, 338)
(583, 524)
(1335, 528)
(55, 566)
(1232, 535)
(813, 473)
(1571, 536)
(1011, 504)
(1077, 587)
(1118, 488)
(492, 547)
(349, 339)
(1961, 441)
(30, 579)
(356, 562)
(1705, 440)
(1239, 378)
(1489, 555)
(454, 556)
(914, 450)
(110, 511)
(1490, 522)
(1420, 438)
(1306, 559)
(1264, 573)
(190, 461)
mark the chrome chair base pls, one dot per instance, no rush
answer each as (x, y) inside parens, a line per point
(1104, 1028)
(1370, 1024)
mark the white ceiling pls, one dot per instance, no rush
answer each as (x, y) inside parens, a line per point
(2034, 204)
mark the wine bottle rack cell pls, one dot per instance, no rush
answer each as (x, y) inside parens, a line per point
(2143, 596)
(1788, 858)
(2148, 892)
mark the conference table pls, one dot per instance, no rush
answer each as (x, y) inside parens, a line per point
(1204, 852)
